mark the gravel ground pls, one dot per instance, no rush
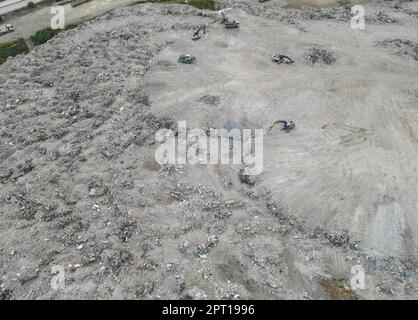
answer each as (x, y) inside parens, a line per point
(80, 188)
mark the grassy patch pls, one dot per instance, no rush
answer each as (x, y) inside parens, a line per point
(46, 34)
(12, 48)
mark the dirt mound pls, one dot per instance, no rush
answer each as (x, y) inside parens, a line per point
(81, 191)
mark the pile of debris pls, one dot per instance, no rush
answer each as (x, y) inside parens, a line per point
(315, 55)
(337, 237)
(342, 14)
(400, 47)
(273, 11)
(379, 17)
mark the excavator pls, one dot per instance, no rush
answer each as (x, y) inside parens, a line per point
(287, 125)
(280, 58)
(228, 23)
(196, 35)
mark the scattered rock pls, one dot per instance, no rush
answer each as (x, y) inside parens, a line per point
(246, 179)
(400, 47)
(336, 290)
(337, 238)
(5, 294)
(315, 55)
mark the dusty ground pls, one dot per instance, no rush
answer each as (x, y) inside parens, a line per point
(28, 23)
(80, 187)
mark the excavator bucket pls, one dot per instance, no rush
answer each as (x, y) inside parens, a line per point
(196, 36)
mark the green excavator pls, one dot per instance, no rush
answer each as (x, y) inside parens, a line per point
(287, 125)
(187, 59)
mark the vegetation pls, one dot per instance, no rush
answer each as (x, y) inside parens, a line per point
(12, 48)
(30, 5)
(46, 34)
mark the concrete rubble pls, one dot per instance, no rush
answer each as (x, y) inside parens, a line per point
(80, 188)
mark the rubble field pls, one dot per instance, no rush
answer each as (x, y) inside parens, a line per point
(80, 188)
